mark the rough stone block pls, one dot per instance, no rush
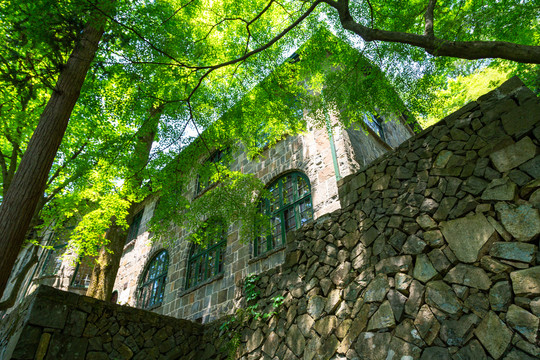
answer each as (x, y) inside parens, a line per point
(466, 236)
(513, 155)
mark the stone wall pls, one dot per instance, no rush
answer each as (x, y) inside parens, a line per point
(434, 254)
(53, 325)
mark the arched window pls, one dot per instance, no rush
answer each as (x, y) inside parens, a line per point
(289, 208)
(152, 286)
(207, 254)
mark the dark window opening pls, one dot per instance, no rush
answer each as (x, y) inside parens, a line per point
(134, 227)
(375, 123)
(83, 273)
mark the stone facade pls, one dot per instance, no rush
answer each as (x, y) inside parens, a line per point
(308, 153)
(433, 254)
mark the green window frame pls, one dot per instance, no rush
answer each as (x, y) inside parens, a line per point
(375, 123)
(152, 285)
(83, 273)
(53, 262)
(133, 230)
(204, 178)
(207, 255)
(289, 207)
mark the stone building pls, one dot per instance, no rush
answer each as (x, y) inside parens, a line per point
(432, 255)
(189, 282)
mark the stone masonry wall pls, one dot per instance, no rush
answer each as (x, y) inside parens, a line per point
(54, 325)
(434, 254)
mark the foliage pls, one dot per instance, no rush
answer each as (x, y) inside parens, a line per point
(463, 90)
(243, 316)
(199, 62)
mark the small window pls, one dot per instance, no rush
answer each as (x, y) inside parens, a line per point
(289, 208)
(375, 123)
(134, 227)
(83, 273)
(207, 255)
(53, 262)
(152, 287)
(204, 178)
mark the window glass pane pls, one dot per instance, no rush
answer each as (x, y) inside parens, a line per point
(292, 191)
(152, 288)
(83, 273)
(306, 211)
(303, 187)
(206, 261)
(134, 227)
(288, 195)
(53, 262)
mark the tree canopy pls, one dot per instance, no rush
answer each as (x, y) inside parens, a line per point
(195, 59)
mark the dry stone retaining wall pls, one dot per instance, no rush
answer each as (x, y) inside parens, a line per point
(433, 256)
(53, 324)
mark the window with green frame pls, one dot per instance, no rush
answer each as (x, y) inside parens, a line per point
(152, 286)
(207, 254)
(204, 178)
(83, 273)
(289, 207)
(53, 262)
(133, 230)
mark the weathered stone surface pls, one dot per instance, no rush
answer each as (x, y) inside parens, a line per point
(402, 282)
(521, 119)
(456, 332)
(403, 350)
(513, 251)
(383, 318)
(500, 189)
(494, 335)
(271, 344)
(414, 245)
(490, 264)
(394, 264)
(397, 302)
(500, 296)
(326, 325)
(416, 292)
(514, 155)
(473, 350)
(515, 354)
(434, 238)
(526, 282)
(423, 269)
(316, 305)
(523, 322)
(441, 296)
(377, 289)
(305, 323)
(439, 260)
(426, 222)
(427, 325)
(474, 185)
(468, 275)
(436, 352)
(295, 340)
(373, 346)
(522, 221)
(466, 236)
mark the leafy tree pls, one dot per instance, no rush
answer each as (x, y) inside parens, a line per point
(237, 45)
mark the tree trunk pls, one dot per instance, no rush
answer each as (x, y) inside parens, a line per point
(106, 267)
(28, 184)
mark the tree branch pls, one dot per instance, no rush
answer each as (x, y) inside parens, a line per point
(428, 17)
(471, 50)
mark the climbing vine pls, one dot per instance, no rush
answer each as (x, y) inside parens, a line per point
(242, 316)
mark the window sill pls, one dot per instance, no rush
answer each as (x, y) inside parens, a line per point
(262, 256)
(202, 284)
